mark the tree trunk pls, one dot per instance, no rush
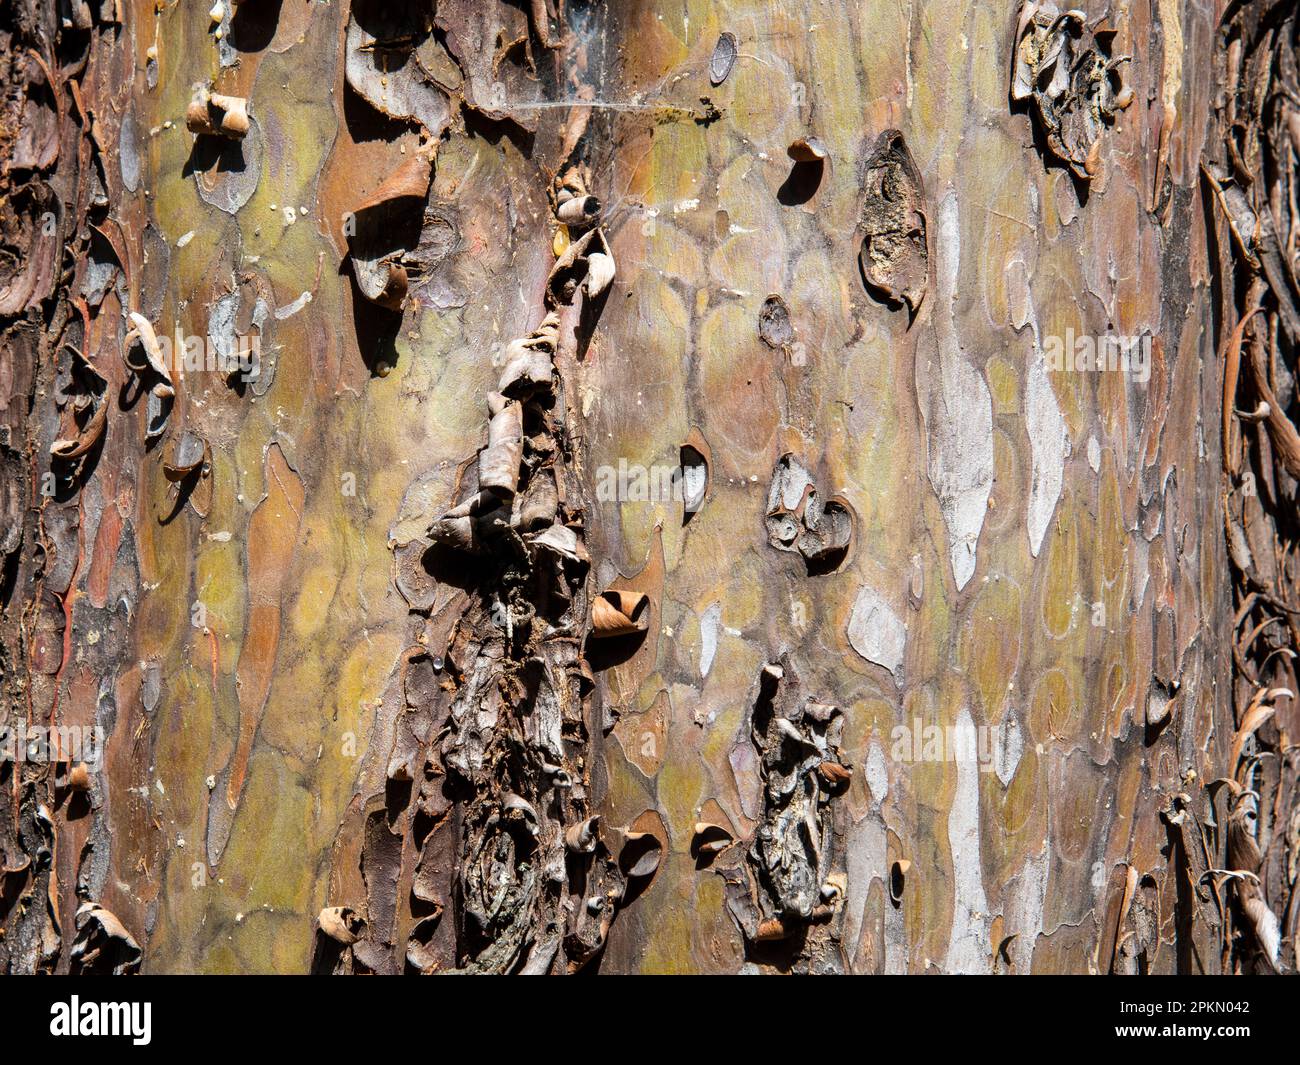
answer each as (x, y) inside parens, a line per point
(648, 487)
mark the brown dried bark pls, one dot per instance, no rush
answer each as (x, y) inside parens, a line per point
(390, 682)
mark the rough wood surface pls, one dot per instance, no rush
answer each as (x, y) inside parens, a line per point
(924, 662)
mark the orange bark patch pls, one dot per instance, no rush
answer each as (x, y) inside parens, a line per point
(272, 536)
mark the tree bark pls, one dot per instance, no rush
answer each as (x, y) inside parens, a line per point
(572, 485)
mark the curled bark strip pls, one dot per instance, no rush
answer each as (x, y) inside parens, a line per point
(640, 854)
(342, 924)
(696, 457)
(707, 838)
(586, 261)
(103, 946)
(808, 150)
(496, 757)
(143, 332)
(490, 43)
(894, 256)
(1281, 430)
(190, 473)
(898, 880)
(578, 210)
(218, 115)
(1251, 170)
(498, 467)
(190, 457)
(1259, 711)
(517, 723)
(528, 365)
(618, 613)
(152, 372)
(410, 180)
(1231, 371)
(91, 433)
(388, 50)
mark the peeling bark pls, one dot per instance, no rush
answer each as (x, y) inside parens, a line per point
(421, 423)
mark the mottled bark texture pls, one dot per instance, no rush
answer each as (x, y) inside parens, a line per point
(646, 525)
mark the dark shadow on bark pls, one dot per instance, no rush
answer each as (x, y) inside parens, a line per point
(252, 26)
(376, 327)
(802, 183)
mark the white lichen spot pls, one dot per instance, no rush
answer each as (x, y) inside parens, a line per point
(876, 772)
(876, 632)
(1008, 746)
(968, 943)
(958, 411)
(1049, 444)
(1024, 913)
(709, 624)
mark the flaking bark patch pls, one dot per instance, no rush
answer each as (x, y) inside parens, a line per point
(894, 256)
(798, 520)
(789, 891)
(494, 760)
(723, 58)
(1064, 65)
